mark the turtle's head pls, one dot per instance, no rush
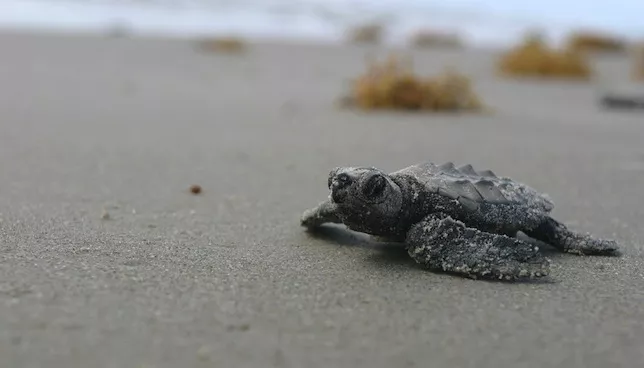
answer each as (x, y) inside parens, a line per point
(366, 198)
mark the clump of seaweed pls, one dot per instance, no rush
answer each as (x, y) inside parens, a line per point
(366, 33)
(586, 41)
(392, 84)
(431, 38)
(534, 58)
(228, 44)
(638, 64)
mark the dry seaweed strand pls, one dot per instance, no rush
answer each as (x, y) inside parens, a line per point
(584, 41)
(638, 63)
(392, 84)
(534, 58)
(367, 33)
(227, 44)
(431, 39)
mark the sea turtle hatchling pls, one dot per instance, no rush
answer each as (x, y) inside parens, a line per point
(453, 219)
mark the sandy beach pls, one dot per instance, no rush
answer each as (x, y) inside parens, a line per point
(228, 278)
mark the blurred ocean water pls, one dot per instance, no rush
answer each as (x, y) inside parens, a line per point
(478, 22)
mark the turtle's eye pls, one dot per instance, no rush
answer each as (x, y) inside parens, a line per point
(374, 186)
(343, 178)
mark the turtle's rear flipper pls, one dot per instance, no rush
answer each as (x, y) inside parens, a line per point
(566, 240)
(442, 243)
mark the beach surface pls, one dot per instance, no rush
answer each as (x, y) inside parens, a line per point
(93, 127)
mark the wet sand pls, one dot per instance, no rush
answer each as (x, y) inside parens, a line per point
(228, 278)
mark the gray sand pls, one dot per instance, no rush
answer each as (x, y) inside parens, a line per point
(228, 278)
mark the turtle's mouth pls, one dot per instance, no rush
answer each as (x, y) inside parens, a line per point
(338, 196)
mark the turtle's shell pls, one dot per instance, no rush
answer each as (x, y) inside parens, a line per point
(482, 193)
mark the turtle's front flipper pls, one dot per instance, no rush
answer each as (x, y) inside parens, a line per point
(566, 240)
(442, 243)
(322, 213)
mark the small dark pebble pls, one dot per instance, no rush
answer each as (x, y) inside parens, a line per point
(195, 189)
